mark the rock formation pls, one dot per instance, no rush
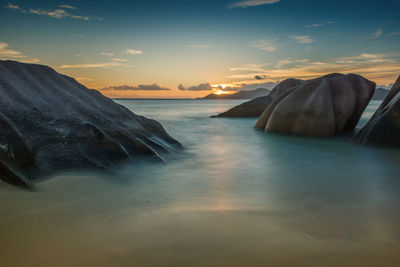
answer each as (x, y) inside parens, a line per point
(256, 106)
(284, 86)
(384, 126)
(252, 108)
(326, 106)
(49, 122)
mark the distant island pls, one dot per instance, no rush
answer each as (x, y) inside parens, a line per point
(239, 95)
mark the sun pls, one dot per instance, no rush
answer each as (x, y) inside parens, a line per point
(219, 89)
(220, 92)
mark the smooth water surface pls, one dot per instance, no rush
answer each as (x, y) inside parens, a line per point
(234, 197)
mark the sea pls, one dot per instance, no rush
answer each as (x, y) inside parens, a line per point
(234, 196)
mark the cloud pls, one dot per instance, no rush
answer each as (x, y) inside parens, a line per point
(12, 6)
(321, 24)
(9, 53)
(302, 60)
(376, 34)
(199, 46)
(378, 67)
(283, 62)
(260, 77)
(245, 76)
(200, 87)
(381, 68)
(67, 6)
(119, 59)
(77, 36)
(302, 39)
(133, 52)
(58, 13)
(140, 87)
(315, 25)
(393, 34)
(107, 54)
(249, 67)
(90, 65)
(250, 71)
(251, 3)
(243, 86)
(288, 61)
(30, 60)
(366, 59)
(266, 45)
(5, 51)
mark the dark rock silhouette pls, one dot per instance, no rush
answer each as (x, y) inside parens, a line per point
(252, 108)
(384, 126)
(49, 122)
(256, 106)
(326, 106)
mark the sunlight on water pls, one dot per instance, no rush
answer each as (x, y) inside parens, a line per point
(234, 197)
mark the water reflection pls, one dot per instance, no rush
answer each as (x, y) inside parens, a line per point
(234, 197)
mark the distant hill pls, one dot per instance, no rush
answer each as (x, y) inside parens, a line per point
(380, 94)
(240, 95)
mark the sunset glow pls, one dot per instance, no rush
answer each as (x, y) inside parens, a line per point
(143, 50)
(220, 92)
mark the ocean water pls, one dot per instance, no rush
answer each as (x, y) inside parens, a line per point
(234, 197)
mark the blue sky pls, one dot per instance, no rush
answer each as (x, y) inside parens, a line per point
(142, 48)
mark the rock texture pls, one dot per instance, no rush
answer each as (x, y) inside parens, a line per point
(49, 122)
(384, 126)
(284, 86)
(326, 106)
(256, 106)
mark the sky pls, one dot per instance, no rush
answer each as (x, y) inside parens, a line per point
(187, 49)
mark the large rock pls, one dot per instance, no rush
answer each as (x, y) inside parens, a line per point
(256, 106)
(326, 106)
(252, 108)
(49, 122)
(284, 86)
(384, 126)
